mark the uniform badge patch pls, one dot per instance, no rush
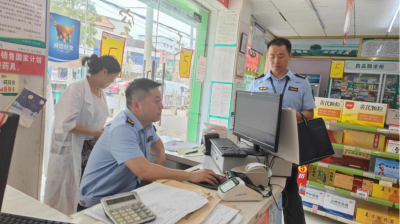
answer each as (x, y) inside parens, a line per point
(130, 121)
(293, 89)
(263, 88)
(150, 139)
(300, 76)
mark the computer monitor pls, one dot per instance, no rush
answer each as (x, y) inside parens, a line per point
(8, 131)
(258, 118)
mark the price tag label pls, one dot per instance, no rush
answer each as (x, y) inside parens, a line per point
(355, 195)
(389, 179)
(383, 131)
(306, 209)
(366, 151)
(329, 188)
(369, 175)
(334, 217)
(322, 164)
(385, 183)
(352, 148)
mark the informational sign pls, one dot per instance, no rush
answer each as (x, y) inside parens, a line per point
(302, 179)
(379, 67)
(113, 45)
(23, 22)
(337, 70)
(201, 69)
(64, 39)
(227, 28)
(258, 42)
(251, 59)
(363, 113)
(241, 64)
(23, 60)
(220, 105)
(223, 64)
(185, 62)
(325, 47)
(328, 109)
(384, 48)
(9, 84)
(248, 79)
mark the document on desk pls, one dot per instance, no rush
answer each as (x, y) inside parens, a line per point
(221, 214)
(175, 144)
(170, 204)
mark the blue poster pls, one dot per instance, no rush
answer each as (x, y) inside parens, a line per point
(64, 38)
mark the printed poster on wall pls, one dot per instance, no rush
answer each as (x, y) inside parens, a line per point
(258, 41)
(25, 24)
(325, 47)
(201, 69)
(113, 45)
(22, 60)
(64, 35)
(227, 28)
(185, 62)
(9, 84)
(220, 105)
(251, 59)
(384, 48)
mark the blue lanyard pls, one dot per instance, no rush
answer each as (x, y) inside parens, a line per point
(284, 88)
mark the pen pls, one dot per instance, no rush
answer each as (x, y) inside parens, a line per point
(192, 152)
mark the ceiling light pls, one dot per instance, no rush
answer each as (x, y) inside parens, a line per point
(394, 17)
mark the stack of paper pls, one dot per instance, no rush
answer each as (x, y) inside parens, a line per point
(222, 214)
(170, 204)
(175, 144)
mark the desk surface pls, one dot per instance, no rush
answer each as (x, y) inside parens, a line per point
(16, 202)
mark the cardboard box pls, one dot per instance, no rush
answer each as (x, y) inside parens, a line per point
(368, 185)
(392, 117)
(343, 181)
(387, 168)
(321, 175)
(313, 197)
(364, 113)
(392, 146)
(386, 193)
(364, 140)
(328, 109)
(340, 206)
(373, 214)
(357, 183)
(336, 136)
(356, 160)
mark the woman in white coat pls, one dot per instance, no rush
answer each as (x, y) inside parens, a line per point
(80, 116)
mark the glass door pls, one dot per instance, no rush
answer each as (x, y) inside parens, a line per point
(357, 87)
(390, 91)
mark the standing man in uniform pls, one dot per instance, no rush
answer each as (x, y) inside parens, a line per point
(297, 95)
(118, 161)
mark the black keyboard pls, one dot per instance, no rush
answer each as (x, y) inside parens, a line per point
(227, 148)
(17, 219)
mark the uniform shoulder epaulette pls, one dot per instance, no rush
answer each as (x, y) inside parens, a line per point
(130, 121)
(300, 76)
(259, 77)
(155, 128)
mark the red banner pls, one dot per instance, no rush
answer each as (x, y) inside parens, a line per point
(224, 2)
(22, 63)
(347, 19)
(302, 179)
(251, 58)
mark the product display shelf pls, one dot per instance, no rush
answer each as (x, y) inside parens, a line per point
(349, 193)
(368, 151)
(337, 126)
(354, 172)
(396, 205)
(334, 217)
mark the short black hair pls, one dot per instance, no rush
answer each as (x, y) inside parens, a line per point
(139, 89)
(280, 42)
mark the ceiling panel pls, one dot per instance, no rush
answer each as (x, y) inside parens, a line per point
(331, 13)
(299, 16)
(292, 6)
(308, 28)
(384, 11)
(273, 20)
(323, 4)
(264, 8)
(373, 25)
(334, 27)
(257, 1)
(283, 32)
(376, 3)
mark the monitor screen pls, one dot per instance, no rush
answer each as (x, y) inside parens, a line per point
(257, 118)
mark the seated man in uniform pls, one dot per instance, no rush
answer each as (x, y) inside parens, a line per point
(118, 161)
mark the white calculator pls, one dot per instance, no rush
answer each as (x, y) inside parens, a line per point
(127, 208)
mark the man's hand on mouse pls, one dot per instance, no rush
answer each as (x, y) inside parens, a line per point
(204, 176)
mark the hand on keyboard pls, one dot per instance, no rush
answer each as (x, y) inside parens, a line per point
(204, 176)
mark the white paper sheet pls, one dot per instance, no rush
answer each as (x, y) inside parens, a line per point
(219, 122)
(221, 214)
(227, 27)
(224, 64)
(241, 64)
(221, 100)
(170, 204)
(237, 219)
(201, 68)
(174, 144)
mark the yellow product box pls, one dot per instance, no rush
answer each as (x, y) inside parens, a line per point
(364, 113)
(328, 109)
(321, 175)
(386, 193)
(368, 214)
(364, 140)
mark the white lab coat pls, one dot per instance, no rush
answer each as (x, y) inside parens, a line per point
(75, 107)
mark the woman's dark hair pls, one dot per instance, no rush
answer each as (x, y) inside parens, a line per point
(96, 64)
